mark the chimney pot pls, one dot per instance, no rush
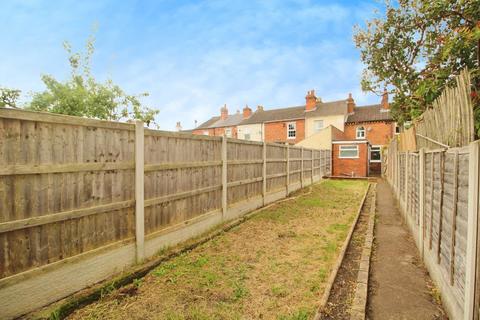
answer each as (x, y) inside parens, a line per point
(247, 112)
(224, 112)
(178, 126)
(350, 104)
(385, 104)
(310, 100)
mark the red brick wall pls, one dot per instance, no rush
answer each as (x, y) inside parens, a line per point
(277, 131)
(216, 131)
(359, 166)
(380, 133)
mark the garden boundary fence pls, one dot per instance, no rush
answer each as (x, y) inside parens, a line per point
(438, 192)
(83, 199)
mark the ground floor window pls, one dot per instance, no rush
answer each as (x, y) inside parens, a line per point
(348, 152)
(375, 154)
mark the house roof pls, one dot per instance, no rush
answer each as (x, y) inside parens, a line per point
(232, 120)
(207, 123)
(329, 109)
(217, 122)
(369, 113)
(261, 116)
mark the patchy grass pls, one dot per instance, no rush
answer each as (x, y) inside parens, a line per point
(273, 266)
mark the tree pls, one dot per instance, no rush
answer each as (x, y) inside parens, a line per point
(417, 48)
(81, 95)
(9, 97)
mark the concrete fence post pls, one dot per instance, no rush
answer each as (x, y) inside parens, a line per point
(224, 177)
(472, 229)
(313, 161)
(301, 172)
(139, 192)
(264, 173)
(288, 169)
(421, 233)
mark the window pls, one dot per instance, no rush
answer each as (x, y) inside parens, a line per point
(291, 130)
(348, 152)
(360, 133)
(375, 154)
(228, 132)
(318, 125)
(205, 132)
(246, 134)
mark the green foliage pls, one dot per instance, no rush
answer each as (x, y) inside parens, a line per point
(82, 95)
(9, 97)
(416, 48)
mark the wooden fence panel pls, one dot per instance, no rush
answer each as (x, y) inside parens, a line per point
(166, 181)
(52, 171)
(445, 203)
(276, 167)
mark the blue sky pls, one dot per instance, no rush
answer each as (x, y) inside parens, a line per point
(192, 56)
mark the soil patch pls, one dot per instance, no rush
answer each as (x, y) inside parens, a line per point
(343, 289)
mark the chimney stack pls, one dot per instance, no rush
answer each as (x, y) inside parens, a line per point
(350, 103)
(224, 112)
(310, 100)
(178, 126)
(385, 104)
(247, 112)
(259, 108)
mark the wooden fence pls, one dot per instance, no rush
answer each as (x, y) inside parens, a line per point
(438, 192)
(83, 199)
(449, 123)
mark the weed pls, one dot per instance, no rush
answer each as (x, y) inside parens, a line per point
(137, 283)
(302, 314)
(279, 291)
(239, 291)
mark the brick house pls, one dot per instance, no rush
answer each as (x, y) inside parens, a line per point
(225, 124)
(355, 134)
(367, 129)
(286, 125)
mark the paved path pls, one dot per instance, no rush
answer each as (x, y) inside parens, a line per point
(400, 287)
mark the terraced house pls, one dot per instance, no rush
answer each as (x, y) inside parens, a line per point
(355, 134)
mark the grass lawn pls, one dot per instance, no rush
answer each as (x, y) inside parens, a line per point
(273, 266)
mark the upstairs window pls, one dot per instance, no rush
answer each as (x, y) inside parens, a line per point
(318, 125)
(360, 132)
(246, 134)
(348, 152)
(228, 132)
(205, 132)
(291, 130)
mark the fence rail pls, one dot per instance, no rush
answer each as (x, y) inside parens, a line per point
(81, 199)
(439, 199)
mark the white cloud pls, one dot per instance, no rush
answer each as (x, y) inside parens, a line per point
(195, 57)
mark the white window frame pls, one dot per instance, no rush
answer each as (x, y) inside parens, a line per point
(228, 132)
(294, 130)
(315, 127)
(379, 150)
(360, 129)
(246, 132)
(352, 147)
